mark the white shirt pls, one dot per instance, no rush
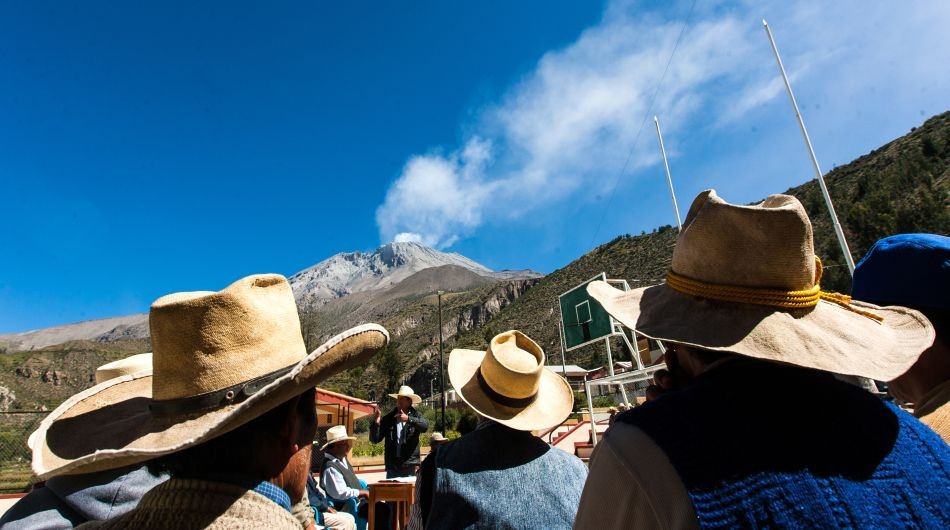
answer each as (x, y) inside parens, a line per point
(632, 484)
(334, 482)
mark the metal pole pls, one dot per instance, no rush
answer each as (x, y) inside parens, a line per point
(441, 360)
(668, 177)
(633, 349)
(590, 413)
(821, 181)
(610, 370)
(560, 332)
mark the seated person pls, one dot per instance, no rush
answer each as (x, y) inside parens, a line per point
(913, 270)
(501, 475)
(323, 512)
(340, 482)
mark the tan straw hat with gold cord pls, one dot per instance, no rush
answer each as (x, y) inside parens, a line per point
(745, 279)
(509, 384)
(220, 360)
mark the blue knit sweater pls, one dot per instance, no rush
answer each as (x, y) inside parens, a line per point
(766, 445)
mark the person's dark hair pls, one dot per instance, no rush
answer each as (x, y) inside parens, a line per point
(702, 355)
(709, 356)
(226, 453)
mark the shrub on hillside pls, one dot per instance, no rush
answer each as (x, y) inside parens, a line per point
(467, 422)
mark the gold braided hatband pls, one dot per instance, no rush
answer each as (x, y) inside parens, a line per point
(768, 297)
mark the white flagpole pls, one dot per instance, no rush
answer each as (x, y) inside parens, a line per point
(821, 181)
(668, 177)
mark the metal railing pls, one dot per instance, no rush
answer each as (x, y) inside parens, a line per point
(638, 378)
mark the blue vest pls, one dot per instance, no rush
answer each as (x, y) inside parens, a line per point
(497, 477)
(766, 445)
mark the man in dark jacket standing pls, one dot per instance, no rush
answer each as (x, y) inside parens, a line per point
(400, 428)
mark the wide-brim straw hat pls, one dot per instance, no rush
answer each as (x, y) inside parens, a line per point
(405, 391)
(335, 434)
(745, 279)
(509, 384)
(221, 359)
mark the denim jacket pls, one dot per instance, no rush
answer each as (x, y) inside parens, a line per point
(497, 477)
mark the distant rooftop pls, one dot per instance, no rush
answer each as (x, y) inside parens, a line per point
(569, 369)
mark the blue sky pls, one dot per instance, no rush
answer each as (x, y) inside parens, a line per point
(174, 146)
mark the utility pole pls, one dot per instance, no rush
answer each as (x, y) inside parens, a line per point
(669, 179)
(441, 360)
(814, 160)
(560, 333)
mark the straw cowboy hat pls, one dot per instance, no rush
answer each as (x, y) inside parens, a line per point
(220, 360)
(745, 279)
(508, 383)
(405, 391)
(335, 434)
(129, 365)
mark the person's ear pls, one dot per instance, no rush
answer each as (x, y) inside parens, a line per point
(289, 433)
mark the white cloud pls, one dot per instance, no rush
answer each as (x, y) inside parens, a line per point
(408, 237)
(575, 117)
(437, 197)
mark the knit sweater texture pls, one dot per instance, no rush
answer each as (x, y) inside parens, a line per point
(766, 445)
(192, 504)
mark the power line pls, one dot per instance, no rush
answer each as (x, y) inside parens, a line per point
(613, 188)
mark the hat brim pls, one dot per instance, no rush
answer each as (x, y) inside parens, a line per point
(415, 398)
(111, 425)
(554, 402)
(826, 337)
(328, 444)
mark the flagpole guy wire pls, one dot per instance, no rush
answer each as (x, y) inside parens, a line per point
(636, 140)
(814, 160)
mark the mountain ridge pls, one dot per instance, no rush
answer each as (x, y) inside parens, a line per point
(342, 275)
(347, 273)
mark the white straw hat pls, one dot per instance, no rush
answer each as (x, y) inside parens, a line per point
(405, 391)
(129, 365)
(335, 434)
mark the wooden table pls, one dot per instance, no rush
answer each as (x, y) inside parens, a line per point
(399, 494)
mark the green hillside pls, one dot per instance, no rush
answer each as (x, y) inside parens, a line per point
(901, 187)
(42, 379)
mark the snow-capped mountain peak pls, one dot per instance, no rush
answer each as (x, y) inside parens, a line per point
(353, 272)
